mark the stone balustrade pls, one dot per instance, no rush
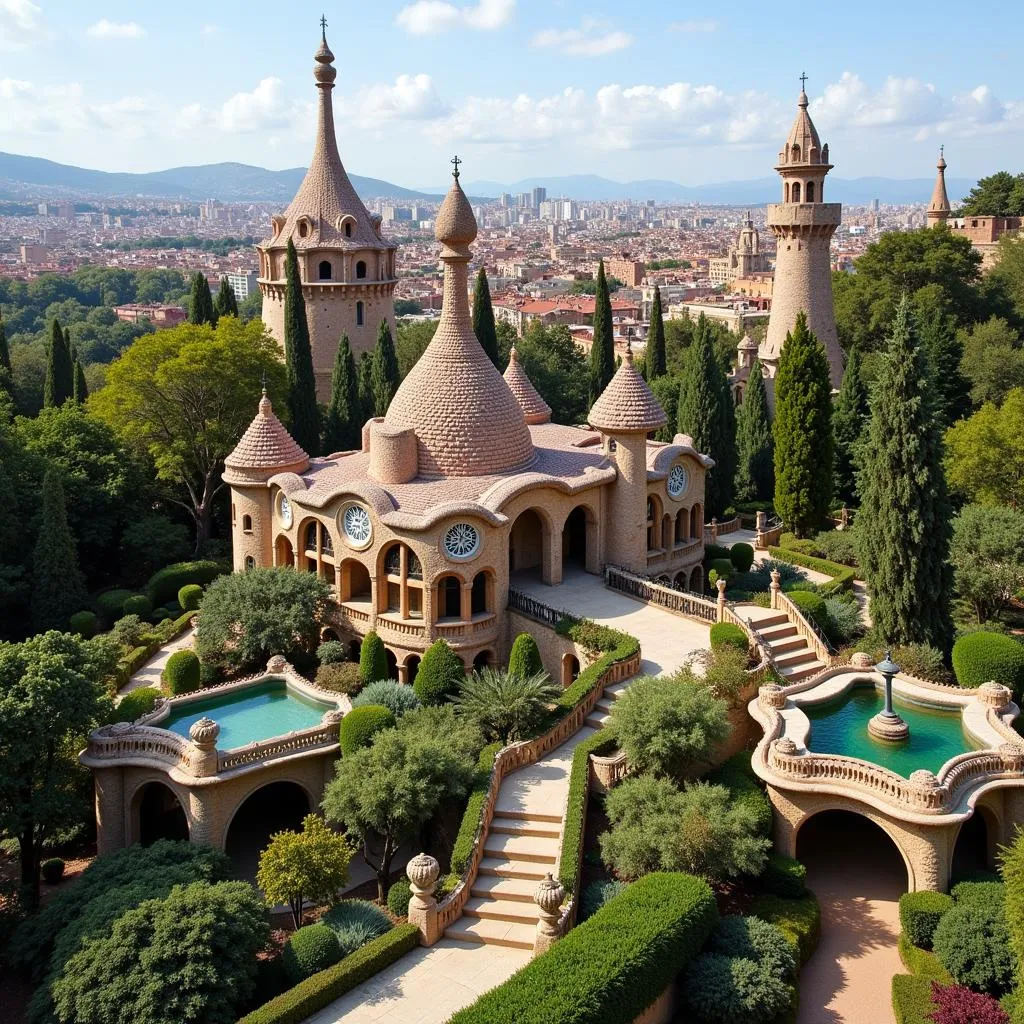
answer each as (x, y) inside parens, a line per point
(682, 602)
(804, 627)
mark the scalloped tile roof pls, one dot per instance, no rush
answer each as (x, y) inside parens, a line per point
(627, 405)
(535, 409)
(266, 444)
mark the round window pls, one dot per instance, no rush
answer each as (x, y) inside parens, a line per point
(356, 526)
(678, 481)
(284, 508)
(461, 541)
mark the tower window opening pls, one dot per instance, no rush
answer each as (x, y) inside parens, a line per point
(795, 154)
(796, 192)
(361, 269)
(359, 314)
(810, 191)
(325, 270)
(348, 229)
(303, 229)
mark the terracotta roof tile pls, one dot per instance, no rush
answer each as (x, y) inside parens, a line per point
(627, 404)
(535, 409)
(266, 444)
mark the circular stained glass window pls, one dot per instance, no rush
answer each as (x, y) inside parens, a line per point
(461, 541)
(678, 481)
(356, 525)
(284, 506)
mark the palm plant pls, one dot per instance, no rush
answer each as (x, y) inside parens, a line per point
(505, 706)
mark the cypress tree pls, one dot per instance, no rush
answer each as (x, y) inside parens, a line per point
(951, 391)
(58, 588)
(365, 375)
(655, 355)
(200, 305)
(6, 373)
(81, 389)
(483, 317)
(904, 500)
(849, 418)
(59, 385)
(385, 375)
(803, 431)
(755, 471)
(602, 352)
(343, 425)
(225, 304)
(298, 357)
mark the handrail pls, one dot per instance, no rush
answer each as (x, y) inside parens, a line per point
(520, 602)
(682, 602)
(804, 626)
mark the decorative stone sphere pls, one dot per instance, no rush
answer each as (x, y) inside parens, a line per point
(204, 733)
(771, 695)
(924, 779)
(861, 660)
(549, 895)
(1012, 756)
(422, 872)
(277, 663)
(785, 746)
(994, 695)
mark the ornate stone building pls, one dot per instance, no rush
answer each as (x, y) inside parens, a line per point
(745, 260)
(346, 265)
(465, 485)
(939, 208)
(803, 225)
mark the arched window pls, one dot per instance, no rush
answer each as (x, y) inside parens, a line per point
(250, 563)
(478, 604)
(324, 270)
(796, 192)
(449, 595)
(393, 561)
(359, 314)
(682, 522)
(810, 191)
(246, 524)
(654, 525)
(794, 154)
(786, 197)
(303, 229)
(311, 536)
(402, 593)
(360, 269)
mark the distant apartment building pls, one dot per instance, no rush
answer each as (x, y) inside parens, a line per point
(984, 233)
(538, 196)
(629, 271)
(159, 316)
(735, 315)
(30, 254)
(243, 283)
(571, 310)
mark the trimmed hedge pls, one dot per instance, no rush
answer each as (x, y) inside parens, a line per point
(339, 677)
(181, 673)
(920, 913)
(84, 623)
(189, 597)
(310, 950)
(360, 725)
(110, 603)
(138, 656)
(316, 992)
(842, 575)
(922, 962)
(134, 705)
(784, 876)
(989, 893)
(742, 556)
(615, 645)
(912, 999)
(723, 566)
(799, 920)
(138, 604)
(164, 584)
(439, 675)
(727, 634)
(973, 943)
(989, 657)
(462, 848)
(373, 658)
(524, 659)
(609, 969)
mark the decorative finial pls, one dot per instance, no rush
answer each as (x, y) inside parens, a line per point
(323, 27)
(264, 381)
(803, 81)
(455, 162)
(942, 151)
(629, 350)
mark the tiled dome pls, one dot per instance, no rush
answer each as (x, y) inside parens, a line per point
(627, 405)
(267, 445)
(535, 409)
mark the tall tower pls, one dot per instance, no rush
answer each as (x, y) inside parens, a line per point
(939, 208)
(346, 266)
(803, 226)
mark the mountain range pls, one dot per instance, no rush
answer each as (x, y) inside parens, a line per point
(234, 182)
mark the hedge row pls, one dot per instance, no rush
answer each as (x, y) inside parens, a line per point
(316, 992)
(602, 742)
(164, 584)
(609, 969)
(842, 575)
(922, 962)
(912, 993)
(799, 920)
(138, 656)
(462, 849)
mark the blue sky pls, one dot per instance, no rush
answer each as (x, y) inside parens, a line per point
(652, 89)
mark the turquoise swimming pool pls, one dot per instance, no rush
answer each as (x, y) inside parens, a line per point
(841, 727)
(252, 714)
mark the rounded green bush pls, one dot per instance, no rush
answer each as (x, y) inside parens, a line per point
(440, 674)
(722, 989)
(165, 583)
(132, 706)
(85, 624)
(52, 870)
(373, 658)
(339, 678)
(359, 725)
(784, 876)
(742, 556)
(138, 604)
(989, 657)
(723, 566)
(756, 940)
(332, 652)
(920, 913)
(311, 949)
(991, 893)
(396, 697)
(811, 604)
(181, 673)
(189, 597)
(524, 658)
(727, 634)
(110, 603)
(715, 551)
(972, 942)
(398, 897)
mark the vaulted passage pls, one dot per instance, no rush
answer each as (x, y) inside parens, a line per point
(161, 815)
(276, 807)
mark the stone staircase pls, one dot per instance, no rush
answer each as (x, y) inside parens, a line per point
(794, 658)
(598, 718)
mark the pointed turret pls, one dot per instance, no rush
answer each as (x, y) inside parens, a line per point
(535, 409)
(939, 208)
(265, 448)
(627, 405)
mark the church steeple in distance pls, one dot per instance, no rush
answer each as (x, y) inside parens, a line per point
(939, 208)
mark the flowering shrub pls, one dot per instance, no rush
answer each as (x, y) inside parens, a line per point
(958, 1005)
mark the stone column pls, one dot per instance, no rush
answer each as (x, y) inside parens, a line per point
(548, 897)
(774, 588)
(721, 599)
(422, 872)
(110, 810)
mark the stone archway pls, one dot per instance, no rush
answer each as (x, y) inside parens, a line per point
(284, 554)
(158, 814)
(976, 844)
(570, 669)
(529, 545)
(578, 539)
(831, 835)
(274, 807)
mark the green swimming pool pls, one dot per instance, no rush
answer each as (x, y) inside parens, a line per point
(249, 715)
(841, 727)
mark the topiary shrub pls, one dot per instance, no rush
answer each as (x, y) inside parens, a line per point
(52, 870)
(190, 596)
(134, 705)
(756, 940)
(989, 657)
(85, 624)
(440, 673)
(920, 913)
(727, 634)
(138, 604)
(358, 727)
(972, 942)
(332, 652)
(181, 673)
(722, 566)
(373, 658)
(357, 922)
(524, 658)
(164, 584)
(398, 897)
(955, 1004)
(397, 697)
(798, 920)
(715, 551)
(742, 556)
(784, 876)
(110, 604)
(990, 893)
(812, 606)
(597, 894)
(343, 678)
(311, 949)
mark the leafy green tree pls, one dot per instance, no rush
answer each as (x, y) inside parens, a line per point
(998, 195)
(200, 305)
(59, 385)
(343, 424)
(993, 360)
(950, 388)
(985, 459)
(557, 369)
(849, 418)
(298, 357)
(602, 352)
(987, 552)
(6, 373)
(505, 706)
(904, 553)
(225, 304)
(755, 470)
(51, 695)
(150, 542)
(666, 390)
(655, 355)
(385, 374)
(58, 587)
(184, 397)
(365, 374)
(803, 431)
(1007, 273)
(483, 318)
(245, 618)
(412, 341)
(81, 389)
(308, 865)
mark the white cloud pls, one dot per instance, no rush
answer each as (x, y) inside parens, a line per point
(430, 17)
(20, 24)
(410, 98)
(265, 107)
(104, 29)
(694, 25)
(592, 39)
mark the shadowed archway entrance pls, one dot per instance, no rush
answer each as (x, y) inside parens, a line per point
(161, 815)
(275, 807)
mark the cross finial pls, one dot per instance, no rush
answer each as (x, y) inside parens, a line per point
(456, 161)
(323, 27)
(803, 82)
(942, 150)
(264, 380)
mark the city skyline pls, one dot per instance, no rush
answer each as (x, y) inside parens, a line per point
(663, 92)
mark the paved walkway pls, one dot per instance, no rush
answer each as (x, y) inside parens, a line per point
(149, 674)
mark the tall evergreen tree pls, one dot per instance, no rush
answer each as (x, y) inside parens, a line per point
(755, 470)
(701, 414)
(343, 424)
(654, 358)
(200, 305)
(225, 303)
(483, 317)
(298, 357)
(602, 352)
(81, 389)
(849, 419)
(386, 376)
(58, 587)
(365, 374)
(951, 390)
(803, 431)
(59, 384)
(902, 486)
(6, 373)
